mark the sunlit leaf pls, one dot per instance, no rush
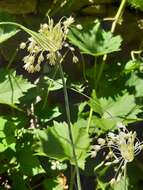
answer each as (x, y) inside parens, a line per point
(12, 87)
(55, 143)
(29, 164)
(6, 31)
(123, 106)
(136, 81)
(52, 184)
(93, 40)
(136, 4)
(122, 184)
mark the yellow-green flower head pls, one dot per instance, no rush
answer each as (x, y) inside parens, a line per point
(50, 39)
(125, 142)
(123, 147)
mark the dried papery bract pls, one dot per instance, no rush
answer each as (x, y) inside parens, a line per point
(49, 40)
(123, 147)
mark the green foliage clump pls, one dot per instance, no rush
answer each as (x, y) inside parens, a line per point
(70, 122)
(138, 4)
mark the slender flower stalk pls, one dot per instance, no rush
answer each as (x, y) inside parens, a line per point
(69, 126)
(56, 34)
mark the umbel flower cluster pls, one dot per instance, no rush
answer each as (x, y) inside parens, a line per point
(55, 35)
(123, 147)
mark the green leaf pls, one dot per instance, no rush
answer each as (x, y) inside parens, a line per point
(121, 184)
(2, 126)
(94, 102)
(43, 114)
(29, 164)
(103, 124)
(101, 185)
(136, 81)
(55, 143)
(18, 182)
(7, 136)
(6, 31)
(12, 87)
(56, 85)
(52, 184)
(119, 107)
(137, 4)
(132, 65)
(93, 40)
(6, 35)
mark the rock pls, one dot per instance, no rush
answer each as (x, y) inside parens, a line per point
(18, 7)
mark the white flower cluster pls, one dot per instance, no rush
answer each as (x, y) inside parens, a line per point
(140, 24)
(55, 34)
(56, 165)
(123, 147)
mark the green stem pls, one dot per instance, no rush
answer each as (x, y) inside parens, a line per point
(125, 176)
(114, 24)
(113, 27)
(51, 81)
(118, 15)
(100, 72)
(12, 58)
(83, 68)
(69, 125)
(47, 93)
(89, 119)
(73, 173)
(91, 110)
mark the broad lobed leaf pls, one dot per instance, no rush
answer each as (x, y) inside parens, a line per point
(55, 143)
(12, 88)
(93, 40)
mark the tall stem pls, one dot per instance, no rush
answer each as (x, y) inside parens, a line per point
(125, 176)
(113, 27)
(118, 15)
(91, 110)
(69, 125)
(73, 173)
(47, 93)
